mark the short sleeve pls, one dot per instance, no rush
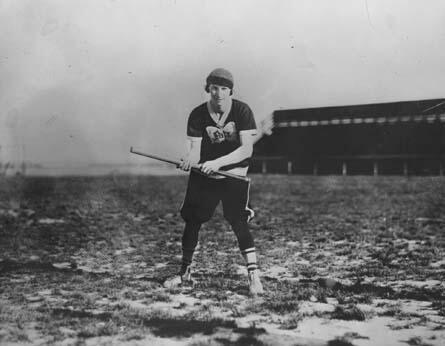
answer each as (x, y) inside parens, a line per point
(194, 125)
(247, 120)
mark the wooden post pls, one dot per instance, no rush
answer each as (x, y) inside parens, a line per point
(315, 169)
(23, 168)
(264, 167)
(405, 168)
(376, 168)
(344, 169)
(289, 167)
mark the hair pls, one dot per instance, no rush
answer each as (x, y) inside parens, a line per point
(207, 89)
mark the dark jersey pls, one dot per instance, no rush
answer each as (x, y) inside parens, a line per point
(220, 140)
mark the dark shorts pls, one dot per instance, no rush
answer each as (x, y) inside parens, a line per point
(203, 195)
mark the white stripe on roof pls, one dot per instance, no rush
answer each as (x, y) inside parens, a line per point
(368, 120)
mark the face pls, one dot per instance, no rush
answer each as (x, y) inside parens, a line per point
(219, 95)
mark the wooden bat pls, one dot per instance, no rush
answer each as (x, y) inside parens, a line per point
(195, 167)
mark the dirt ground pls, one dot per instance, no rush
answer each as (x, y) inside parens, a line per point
(344, 260)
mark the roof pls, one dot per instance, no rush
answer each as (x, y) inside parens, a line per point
(421, 110)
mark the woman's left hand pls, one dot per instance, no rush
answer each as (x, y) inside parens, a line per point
(210, 167)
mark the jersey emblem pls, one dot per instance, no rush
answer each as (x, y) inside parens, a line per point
(219, 135)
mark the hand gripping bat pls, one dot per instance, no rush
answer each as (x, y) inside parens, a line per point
(196, 168)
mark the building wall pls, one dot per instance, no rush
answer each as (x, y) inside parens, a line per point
(396, 147)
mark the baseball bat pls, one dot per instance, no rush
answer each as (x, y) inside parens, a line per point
(194, 167)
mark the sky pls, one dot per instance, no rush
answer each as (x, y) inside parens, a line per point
(81, 81)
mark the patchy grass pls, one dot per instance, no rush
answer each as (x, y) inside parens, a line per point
(348, 313)
(292, 320)
(340, 342)
(86, 257)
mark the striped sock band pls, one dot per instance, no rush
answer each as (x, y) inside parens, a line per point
(247, 251)
(250, 258)
(251, 266)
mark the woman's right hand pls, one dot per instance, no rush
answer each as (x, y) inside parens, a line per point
(185, 164)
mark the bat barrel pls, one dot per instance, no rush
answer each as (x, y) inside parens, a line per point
(154, 157)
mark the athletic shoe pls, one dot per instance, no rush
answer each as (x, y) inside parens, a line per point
(180, 279)
(255, 286)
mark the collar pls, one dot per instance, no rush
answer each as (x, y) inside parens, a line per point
(219, 120)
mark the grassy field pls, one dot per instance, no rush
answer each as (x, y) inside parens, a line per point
(345, 261)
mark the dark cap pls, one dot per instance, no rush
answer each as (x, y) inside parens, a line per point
(220, 76)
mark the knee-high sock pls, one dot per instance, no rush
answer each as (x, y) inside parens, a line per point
(250, 258)
(189, 242)
(242, 232)
(246, 244)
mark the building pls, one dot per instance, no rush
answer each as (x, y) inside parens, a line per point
(384, 138)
